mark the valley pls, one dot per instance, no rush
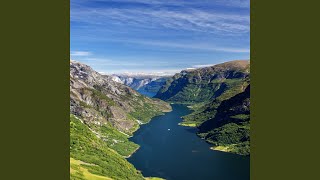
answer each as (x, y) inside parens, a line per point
(111, 136)
(175, 152)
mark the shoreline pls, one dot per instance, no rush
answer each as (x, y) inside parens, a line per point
(187, 124)
(221, 148)
(126, 157)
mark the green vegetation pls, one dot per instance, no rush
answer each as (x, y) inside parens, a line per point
(230, 133)
(154, 178)
(78, 172)
(229, 130)
(97, 93)
(230, 138)
(240, 148)
(205, 111)
(204, 84)
(145, 112)
(100, 160)
(188, 124)
(115, 140)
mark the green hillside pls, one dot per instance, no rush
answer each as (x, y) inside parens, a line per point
(213, 93)
(230, 127)
(97, 157)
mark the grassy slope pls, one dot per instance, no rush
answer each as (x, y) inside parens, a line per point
(115, 140)
(78, 172)
(85, 146)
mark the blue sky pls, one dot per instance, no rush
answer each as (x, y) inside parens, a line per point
(158, 36)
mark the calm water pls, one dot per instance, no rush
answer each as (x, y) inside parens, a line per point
(178, 154)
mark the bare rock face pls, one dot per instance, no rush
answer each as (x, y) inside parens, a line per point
(100, 100)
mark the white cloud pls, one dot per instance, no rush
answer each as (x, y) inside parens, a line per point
(187, 20)
(232, 3)
(136, 72)
(188, 45)
(80, 53)
(203, 65)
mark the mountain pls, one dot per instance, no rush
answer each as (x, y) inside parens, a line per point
(148, 83)
(100, 100)
(104, 114)
(210, 92)
(205, 84)
(205, 88)
(135, 82)
(155, 85)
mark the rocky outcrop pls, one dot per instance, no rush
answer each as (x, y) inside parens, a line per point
(100, 100)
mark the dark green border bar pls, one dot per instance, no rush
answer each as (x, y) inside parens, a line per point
(35, 90)
(285, 90)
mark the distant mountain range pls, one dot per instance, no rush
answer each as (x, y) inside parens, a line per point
(146, 82)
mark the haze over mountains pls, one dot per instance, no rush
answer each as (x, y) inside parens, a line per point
(146, 82)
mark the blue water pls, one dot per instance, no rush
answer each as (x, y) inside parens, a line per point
(179, 154)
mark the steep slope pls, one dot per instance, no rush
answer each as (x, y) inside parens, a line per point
(205, 84)
(230, 128)
(205, 88)
(95, 156)
(99, 100)
(103, 115)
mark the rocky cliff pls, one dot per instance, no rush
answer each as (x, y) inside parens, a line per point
(99, 100)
